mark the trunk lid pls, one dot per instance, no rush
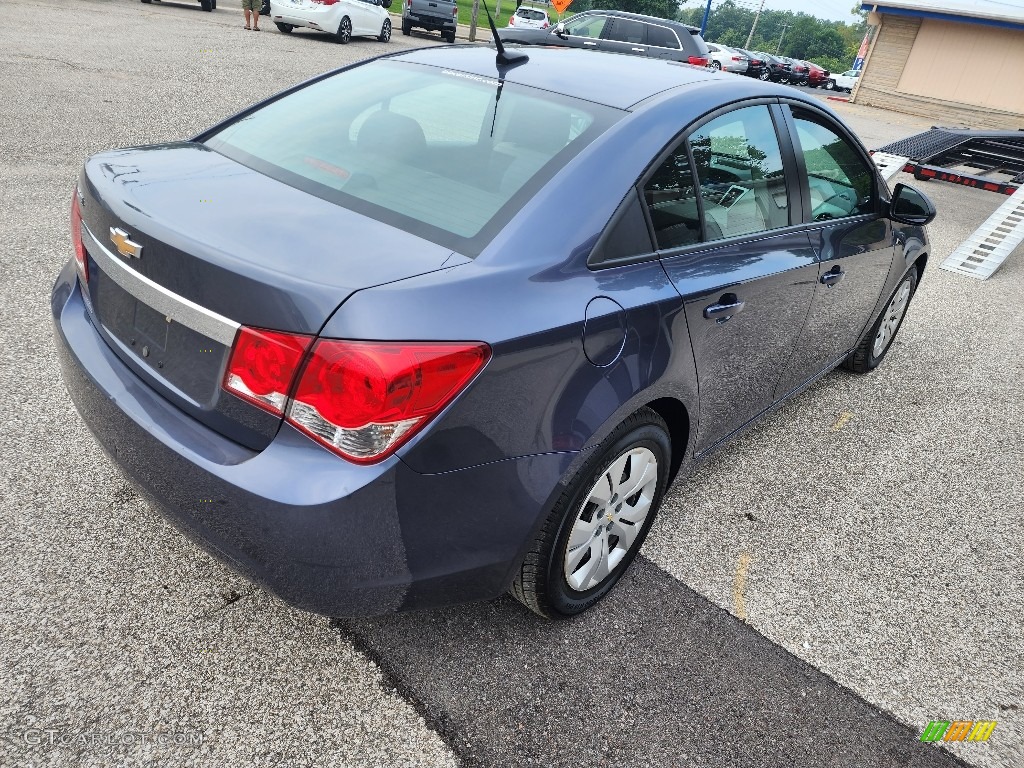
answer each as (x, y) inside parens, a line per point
(221, 245)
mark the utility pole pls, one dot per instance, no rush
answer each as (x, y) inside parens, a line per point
(779, 46)
(472, 20)
(754, 25)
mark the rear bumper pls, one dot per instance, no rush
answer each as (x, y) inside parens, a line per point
(322, 534)
(429, 22)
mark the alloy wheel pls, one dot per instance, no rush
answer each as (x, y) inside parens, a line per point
(610, 519)
(345, 30)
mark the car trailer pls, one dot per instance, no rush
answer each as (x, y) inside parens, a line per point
(989, 160)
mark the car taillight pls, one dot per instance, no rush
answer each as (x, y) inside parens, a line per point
(81, 260)
(698, 61)
(325, 2)
(736, 58)
(511, 21)
(545, 25)
(363, 400)
(263, 365)
(455, 10)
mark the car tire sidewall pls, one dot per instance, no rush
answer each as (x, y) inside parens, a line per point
(561, 597)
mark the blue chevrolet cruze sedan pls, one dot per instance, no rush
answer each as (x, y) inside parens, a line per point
(434, 327)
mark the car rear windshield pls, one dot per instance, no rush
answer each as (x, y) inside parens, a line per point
(443, 154)
(529, 13)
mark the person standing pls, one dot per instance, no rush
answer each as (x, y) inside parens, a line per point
(253, 7)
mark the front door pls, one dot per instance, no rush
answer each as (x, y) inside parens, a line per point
(853, 241)
(745, 273)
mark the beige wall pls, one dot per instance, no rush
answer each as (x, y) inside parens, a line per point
(990, 73)
(956, 74)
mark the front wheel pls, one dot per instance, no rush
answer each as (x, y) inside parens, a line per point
(385, 31)
(876, 344)
(598, 524)
(830, 85)
(344, 33)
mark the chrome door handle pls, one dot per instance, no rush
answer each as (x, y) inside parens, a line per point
(723, 310)
(637, 50)
(590, 43)
(832, 278)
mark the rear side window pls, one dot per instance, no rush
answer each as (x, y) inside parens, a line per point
(841, 183)
(740, 174)
(627, 31)
(432, 151)
(662, 37)
(737, 173)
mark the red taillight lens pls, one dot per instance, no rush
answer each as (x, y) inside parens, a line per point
(455, 10)
(545, 25)
(263, 365)
(698, 61)
(511, 21)
(363, 400)
(81, 260)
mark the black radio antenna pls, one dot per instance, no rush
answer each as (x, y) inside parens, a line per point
(506, 60)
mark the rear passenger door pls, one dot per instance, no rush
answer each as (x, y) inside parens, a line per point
(852, 239)
(721, 207)
(624, 36)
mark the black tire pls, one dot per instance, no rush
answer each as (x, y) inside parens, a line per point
(541, 584)
(450, 37)
(285, 28)
(765, 75)
(385, 31)
(147, 2)
(866, 357)
(213, 5)
(205, 5)
(830, 85)
(344, 33)
(716, 65)
(406, 28)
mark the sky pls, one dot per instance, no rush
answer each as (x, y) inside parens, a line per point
(836, 10)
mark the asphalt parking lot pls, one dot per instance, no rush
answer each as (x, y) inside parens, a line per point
(823, 587)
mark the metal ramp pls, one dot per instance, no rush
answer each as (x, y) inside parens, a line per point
(981, 254)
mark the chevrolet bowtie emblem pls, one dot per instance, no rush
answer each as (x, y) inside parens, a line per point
(124, 245)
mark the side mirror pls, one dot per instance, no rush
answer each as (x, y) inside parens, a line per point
(909, 206)
(559, 29)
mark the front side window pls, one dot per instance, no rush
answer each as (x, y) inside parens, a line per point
(841, 183)
(740, 174)
(586, 25)
(432, 151)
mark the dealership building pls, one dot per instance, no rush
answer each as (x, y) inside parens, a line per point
(958, 62)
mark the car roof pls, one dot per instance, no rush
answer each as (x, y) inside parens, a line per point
(616, 80)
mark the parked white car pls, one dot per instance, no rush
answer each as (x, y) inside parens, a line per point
(844, 82)
(344, 19)
(529, 18)
(727, 58)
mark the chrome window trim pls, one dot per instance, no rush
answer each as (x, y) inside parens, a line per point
(172, 306)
